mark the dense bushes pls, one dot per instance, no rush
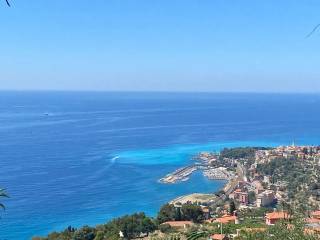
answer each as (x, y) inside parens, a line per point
(131, 226)
(190, 212)
(240, 152)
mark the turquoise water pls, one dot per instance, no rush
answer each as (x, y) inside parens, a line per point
(84, 158)
(178, 154)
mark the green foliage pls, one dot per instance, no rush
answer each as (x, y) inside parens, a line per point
(196, 235)
(252, 197)
(174, 237)
(232, 206)
(192, 213)
(84, 233)
(187, 212)
(130, 225)
(167, 213)
(279, 231)
(301, 178)
(165, 228)
(239, 152)
(254, 213)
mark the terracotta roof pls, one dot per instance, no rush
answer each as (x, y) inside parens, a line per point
(313, 220)
(316, 213)
(178, 223)
(217, 236)
(277, 215)
(226, 219)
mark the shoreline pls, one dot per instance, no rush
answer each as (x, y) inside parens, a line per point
(205, 162)
(211, 173)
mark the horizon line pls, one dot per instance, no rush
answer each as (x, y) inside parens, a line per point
(159, 91)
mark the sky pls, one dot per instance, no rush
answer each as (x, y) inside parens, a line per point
(160, 45)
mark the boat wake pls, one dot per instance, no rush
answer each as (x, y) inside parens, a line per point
(113, 160)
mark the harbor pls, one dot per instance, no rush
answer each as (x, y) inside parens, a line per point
(181, 174)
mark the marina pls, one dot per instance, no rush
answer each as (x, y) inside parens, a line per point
(183, 174)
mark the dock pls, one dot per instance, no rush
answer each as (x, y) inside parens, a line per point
(181, 174)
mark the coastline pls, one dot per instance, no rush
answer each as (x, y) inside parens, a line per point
(205, 161)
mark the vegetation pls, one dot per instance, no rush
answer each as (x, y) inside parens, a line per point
(131, 226)
(196, 235)
(232, 206)
(138, 225)
(187, 212)
(240, 152)
(281, 230)
(299, 179)
(253, 213)
(167, 213)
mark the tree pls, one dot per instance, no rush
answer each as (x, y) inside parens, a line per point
(84, 233)
(232, 207)
(167, 213)
(165, 228)
(191, 212)
(251, 197)
(8, 3)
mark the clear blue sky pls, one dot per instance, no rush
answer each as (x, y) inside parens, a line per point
(161, 45)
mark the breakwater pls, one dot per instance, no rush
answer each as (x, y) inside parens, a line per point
(181, 174)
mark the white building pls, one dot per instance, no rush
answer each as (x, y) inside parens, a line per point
(265, 198)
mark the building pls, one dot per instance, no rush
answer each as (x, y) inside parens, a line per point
(266, 179)
(225, 219)
(241, 197)
(206, 212)
(272, 218)
(219, 237)
(178, 224)
(265, 198)
(316, 214)
(312, 228)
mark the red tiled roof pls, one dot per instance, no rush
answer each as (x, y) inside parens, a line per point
(313, 220)
(316, 213)
(217, 236)
(226, 219)
(277, 215)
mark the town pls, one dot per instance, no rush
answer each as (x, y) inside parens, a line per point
(255, 187)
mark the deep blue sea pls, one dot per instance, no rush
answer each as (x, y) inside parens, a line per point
(75, 158)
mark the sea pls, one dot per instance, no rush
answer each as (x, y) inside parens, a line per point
(83, 158)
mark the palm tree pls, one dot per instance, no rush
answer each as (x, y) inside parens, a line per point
(7, 1)
(3, 194)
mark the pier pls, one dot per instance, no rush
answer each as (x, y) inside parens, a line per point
(181, 174)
